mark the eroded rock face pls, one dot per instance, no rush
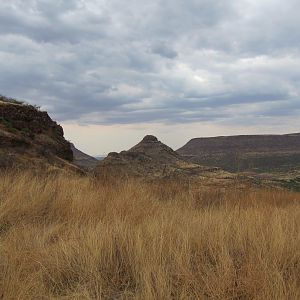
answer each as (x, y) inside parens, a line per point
(28, 117)
(29, 125)
(30, 135)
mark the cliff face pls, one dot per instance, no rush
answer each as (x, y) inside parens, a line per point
(30, 136)
(254, 153)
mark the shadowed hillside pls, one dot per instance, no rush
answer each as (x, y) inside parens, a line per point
(257, 153)
(29, 137)
(274, 159)
(83, 160)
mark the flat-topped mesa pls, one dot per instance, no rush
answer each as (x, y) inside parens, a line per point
(251, 153)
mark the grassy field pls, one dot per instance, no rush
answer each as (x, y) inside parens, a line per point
(67, 237)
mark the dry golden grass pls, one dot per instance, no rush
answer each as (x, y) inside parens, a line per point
(64, 237)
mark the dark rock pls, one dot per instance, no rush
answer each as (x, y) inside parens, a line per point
(150, 139)
(148, 159)
(29, 138)
(27, 121)
(113, 154)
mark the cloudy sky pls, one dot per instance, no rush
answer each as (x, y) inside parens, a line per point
(111, 71)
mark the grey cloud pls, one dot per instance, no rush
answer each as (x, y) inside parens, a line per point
(164, 50)
(52, 21)
(153, 61)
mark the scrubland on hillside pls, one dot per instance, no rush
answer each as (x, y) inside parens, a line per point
(71, 237)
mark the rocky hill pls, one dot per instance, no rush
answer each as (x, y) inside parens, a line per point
(29, 137)
(82, 159)
(151, 159)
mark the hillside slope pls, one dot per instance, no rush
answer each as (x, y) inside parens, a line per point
(270, 158)
(82, 159)
(151, 159)
(259, 153)
(30, 138)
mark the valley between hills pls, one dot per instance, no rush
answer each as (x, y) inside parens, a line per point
(217, 219)
(30, 138)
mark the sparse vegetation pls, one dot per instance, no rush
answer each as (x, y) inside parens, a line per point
(11, 100)
(292, 184)
(27, 132)
(68, 237)
(18, 102)
(8, 125)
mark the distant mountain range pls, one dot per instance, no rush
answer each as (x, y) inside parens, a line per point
(29, 138)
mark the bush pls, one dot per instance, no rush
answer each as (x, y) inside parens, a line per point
(8, 125)
(27, 132)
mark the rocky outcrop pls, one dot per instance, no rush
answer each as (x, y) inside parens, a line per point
(27, 126)
(150, 159)
(29, 137)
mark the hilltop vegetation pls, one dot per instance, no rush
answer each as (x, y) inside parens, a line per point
(70, 237)
(11, 100)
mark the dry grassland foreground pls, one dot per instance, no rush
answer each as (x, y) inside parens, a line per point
(71, 237)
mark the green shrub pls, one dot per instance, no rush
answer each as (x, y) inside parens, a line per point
(27, 132)
(8, 125)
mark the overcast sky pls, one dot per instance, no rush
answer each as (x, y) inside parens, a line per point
(111, 71)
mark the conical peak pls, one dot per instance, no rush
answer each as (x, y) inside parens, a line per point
(150, 139)
(152, 147)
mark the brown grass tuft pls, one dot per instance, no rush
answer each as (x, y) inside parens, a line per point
(67, 237)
